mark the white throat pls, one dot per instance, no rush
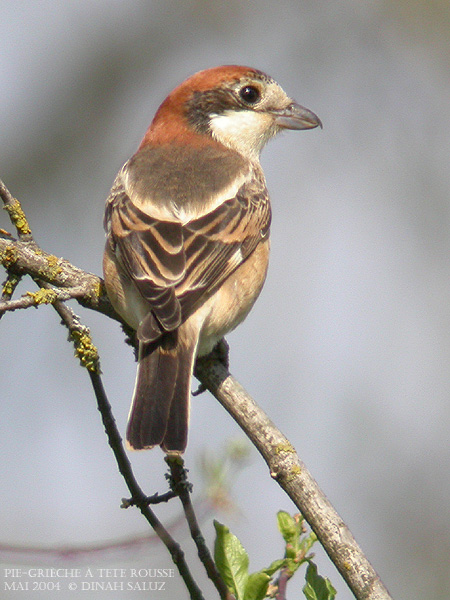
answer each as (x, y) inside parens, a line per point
(245, 131)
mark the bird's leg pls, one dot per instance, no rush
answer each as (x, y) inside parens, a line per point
(220, 353)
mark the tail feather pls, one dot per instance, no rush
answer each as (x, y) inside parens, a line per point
(175, 438)
(159, 413)
(155, 382)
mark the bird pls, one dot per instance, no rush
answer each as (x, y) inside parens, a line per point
(187, 226)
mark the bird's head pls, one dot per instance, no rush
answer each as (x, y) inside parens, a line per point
(240, 107)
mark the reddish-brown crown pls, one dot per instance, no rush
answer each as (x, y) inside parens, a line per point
(170, 123)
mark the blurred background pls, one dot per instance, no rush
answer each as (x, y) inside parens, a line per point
(348, 348)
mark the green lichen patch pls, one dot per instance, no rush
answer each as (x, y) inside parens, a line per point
(18, 217)
(44, 296)
(9, 256)
(85, 350)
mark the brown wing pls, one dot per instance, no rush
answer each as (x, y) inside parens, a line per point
(217, 243)
(177, 267)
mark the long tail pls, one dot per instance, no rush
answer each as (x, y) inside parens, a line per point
(159, 413)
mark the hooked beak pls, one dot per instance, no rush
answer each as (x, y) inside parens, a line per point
(295, 116)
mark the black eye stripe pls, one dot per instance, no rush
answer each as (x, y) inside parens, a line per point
(250, 94)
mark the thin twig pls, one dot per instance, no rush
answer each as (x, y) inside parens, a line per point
(154, 499)
(130, 544)
(115, 442)
(16, 214)
(36, 553)
(9, 287)
(27, 258)
(24, 232)
(36, 298)
(283, 578)
(24, 257)
(182, 487)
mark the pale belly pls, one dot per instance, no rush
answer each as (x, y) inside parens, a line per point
(229, 306)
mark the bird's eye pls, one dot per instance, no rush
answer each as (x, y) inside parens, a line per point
(250, 94)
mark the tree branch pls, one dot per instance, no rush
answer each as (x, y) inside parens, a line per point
(27, 258)
(24, 257)
(292, 475)
(140, 499)
(182, 487)
(16, 214)
(88, 355)
(43, 296)
(77, 332)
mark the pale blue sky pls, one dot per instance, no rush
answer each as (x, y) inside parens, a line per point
(349, 345)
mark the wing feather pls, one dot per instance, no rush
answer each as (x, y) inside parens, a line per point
(176, 266)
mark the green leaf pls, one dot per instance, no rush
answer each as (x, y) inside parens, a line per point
(288, 527)
(317, 587)
(306, 543)
(256, 587)
(275, 566)
(231, 560)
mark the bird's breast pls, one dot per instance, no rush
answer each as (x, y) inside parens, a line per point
(232, 302)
